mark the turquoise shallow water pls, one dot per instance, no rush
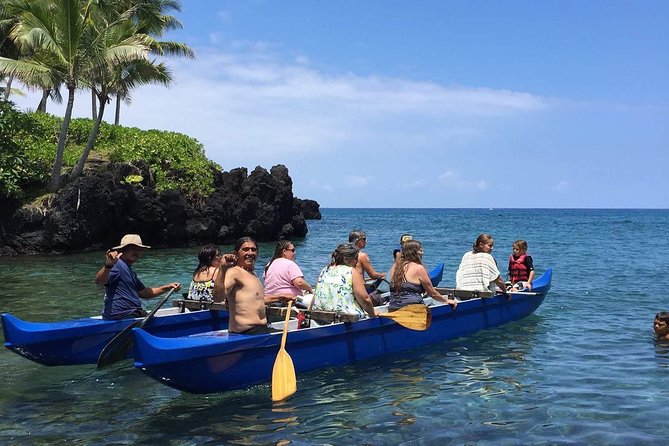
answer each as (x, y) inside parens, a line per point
(584, 369)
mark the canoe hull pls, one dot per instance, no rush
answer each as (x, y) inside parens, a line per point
(215, 363)
(80, 341)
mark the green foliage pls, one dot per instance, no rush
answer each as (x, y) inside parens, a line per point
(178, 161)
(28, 143)
(20, 171)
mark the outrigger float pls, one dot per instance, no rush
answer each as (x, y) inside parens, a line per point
(80, 341)
(217, 361)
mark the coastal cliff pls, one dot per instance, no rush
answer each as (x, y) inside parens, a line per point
(114, 198)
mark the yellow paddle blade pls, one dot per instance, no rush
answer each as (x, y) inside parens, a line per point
(284, 382)
(414, 317)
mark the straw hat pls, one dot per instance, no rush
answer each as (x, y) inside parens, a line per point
(130, 239)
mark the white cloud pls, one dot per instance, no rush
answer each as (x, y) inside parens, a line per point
(452, 180)
(561, 186)
(225, 16)
(420, 183)
(357, 181)
(248, 105)
(216, 37)
(252, 101)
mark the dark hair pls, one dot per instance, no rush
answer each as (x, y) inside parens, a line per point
(356, 235)
(278, 251)
(343, 254)
(410, 254)
(663, 316)
(521, 244)
(481, 239)
(240, 241)
(206, 256)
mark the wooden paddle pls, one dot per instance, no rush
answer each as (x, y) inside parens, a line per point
(414, 316)
(284, 382)
(120, 345)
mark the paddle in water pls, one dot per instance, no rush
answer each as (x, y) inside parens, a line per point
(414, 316)
(284, 382)
(120, 345)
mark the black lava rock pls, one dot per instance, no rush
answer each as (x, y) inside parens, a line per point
(96, 209)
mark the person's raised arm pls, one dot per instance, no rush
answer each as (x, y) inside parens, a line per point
(111, 257)
(360, 293)
(229, 261)
(367, 267)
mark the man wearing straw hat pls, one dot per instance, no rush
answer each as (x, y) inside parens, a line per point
(123, 289)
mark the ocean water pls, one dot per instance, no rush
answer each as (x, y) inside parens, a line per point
(584, 369)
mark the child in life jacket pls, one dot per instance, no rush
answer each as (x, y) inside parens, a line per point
(521, 268)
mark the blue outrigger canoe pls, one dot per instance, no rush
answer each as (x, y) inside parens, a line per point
(80, 341)
(218, 361)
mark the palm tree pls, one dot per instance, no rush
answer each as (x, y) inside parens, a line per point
(59, 29)
(7, 48)
(104, 75)
(67, 44)
(152, 19)
(50, 92)
(146, 20)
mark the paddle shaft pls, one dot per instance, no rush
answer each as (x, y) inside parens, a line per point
(285, 326)
(160, 303)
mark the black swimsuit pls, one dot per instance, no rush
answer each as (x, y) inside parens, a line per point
(409, 293)
(258, 330)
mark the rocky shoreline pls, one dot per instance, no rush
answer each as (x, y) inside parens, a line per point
(95, 210)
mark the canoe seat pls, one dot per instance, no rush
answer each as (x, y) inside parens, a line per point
(273, 313)
(196, 305)
(331, 317)
(464, 294)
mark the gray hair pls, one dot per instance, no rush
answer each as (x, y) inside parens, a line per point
(356, 235)
(344, 254)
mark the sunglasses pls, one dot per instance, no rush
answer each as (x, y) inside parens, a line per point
(290, 249)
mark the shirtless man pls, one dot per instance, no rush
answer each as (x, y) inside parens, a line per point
(364, 265)
(238, 284)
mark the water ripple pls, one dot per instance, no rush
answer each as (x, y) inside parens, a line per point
(584, 369)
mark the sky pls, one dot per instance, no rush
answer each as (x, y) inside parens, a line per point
(426, 104)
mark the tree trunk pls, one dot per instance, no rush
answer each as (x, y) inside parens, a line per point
(9, 88)
(94, 108)
(91, 140)
(117, 116)
(62, 139)
(42, 103)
